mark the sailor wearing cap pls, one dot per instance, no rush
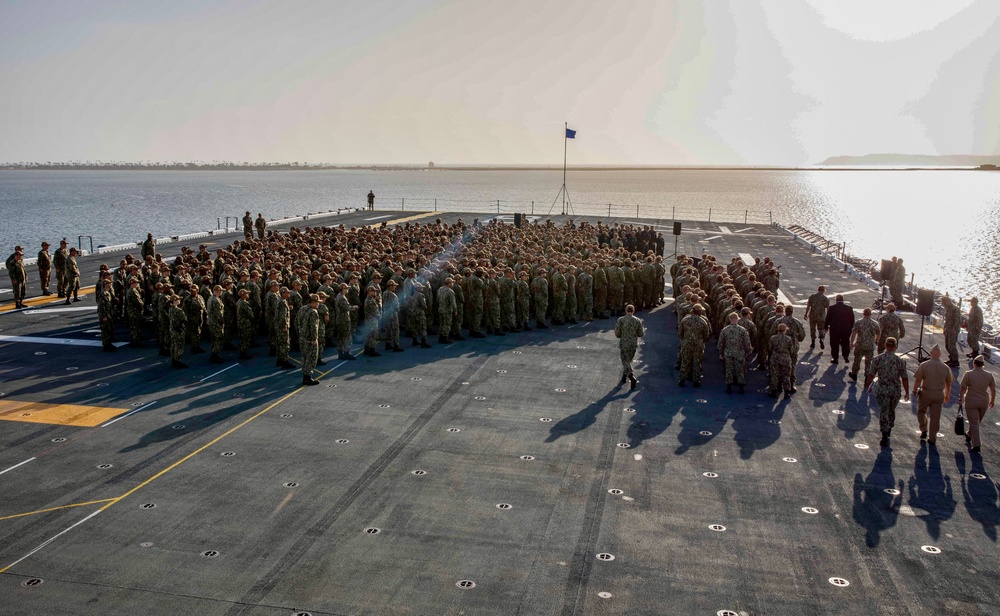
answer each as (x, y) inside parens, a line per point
(44, 263)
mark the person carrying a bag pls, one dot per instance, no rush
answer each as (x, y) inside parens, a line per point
(978, 393)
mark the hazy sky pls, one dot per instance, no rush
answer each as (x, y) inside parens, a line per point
(476, 81)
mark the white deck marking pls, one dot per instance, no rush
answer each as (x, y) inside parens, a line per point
(725, 230)
(714, 237)
(67, 309)
(746, 258)
(16, 465)
(62, 341)
(217, 373)
(381, 217)
(742, 230)
(54, 537)
(144, 406)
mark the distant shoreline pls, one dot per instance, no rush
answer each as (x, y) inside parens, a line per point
(471, 168)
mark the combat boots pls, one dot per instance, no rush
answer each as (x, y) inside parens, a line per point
(458, 337)
(284, 364)
(308, 380)
(176, 363)
(216, 359)
(107, 348)
(635, 381)
(396, 348)
(424, 344)
(245, 355)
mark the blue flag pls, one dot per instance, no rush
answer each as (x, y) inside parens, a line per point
(570, 133)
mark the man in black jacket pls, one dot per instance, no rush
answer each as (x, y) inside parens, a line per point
(839, 322)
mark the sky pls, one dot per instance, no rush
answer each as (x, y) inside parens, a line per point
(644, 82)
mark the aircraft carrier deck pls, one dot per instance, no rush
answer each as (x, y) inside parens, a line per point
(508, 475)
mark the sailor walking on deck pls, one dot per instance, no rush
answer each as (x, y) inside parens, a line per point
(888, 371)
(974, 327)
(816, 308)
(628, 330)
(840, 323)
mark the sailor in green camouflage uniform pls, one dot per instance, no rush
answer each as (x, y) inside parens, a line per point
(44, 264)
(342, 316)
(246, 323)
(734, 349)
(890, 326)
(585, 293)
(559, 291)
(106, 316)
(600, 291)
(281, 327)
(133, 307)
(178, 332)
(194, 309)
(72, 276)
(307, 326)
(540, 298)
(952, 325)
(216, 321)
(693, 332)
(816, 307)
(523, 301)
(897, 282)
(229, 300)
(390, 317)
(493, 304)
(780, 361)
(864, 340)
(616, 287)
(572, 309)
(508, 292)
(324, 320)
(888, 370)
(974, 326)
(628, 330)
(59, 263)
(447, 308)
(457, 320)
(18, 277)
(373, 314)
(418, 315)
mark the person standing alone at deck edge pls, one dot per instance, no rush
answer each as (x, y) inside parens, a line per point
(628, 330)
(371, 199)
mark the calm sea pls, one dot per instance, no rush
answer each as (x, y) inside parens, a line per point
(944, 224)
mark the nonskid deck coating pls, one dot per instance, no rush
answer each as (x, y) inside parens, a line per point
(242, 493)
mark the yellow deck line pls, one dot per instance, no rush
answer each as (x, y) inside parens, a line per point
(21, 515)
(45, 299)
(206, 445)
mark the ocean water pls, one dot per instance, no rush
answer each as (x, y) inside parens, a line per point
(945, 225)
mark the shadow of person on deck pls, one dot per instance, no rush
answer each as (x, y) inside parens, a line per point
(758, 430)
(584, 418)
(980, 494)
(857, 412)
(874, 508)
(930, 489)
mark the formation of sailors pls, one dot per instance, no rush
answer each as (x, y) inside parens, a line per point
(739, 302)
(379, 284)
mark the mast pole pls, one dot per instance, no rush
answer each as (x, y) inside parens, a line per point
(565, 140)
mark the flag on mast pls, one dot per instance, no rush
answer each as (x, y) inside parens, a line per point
(570, 133)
